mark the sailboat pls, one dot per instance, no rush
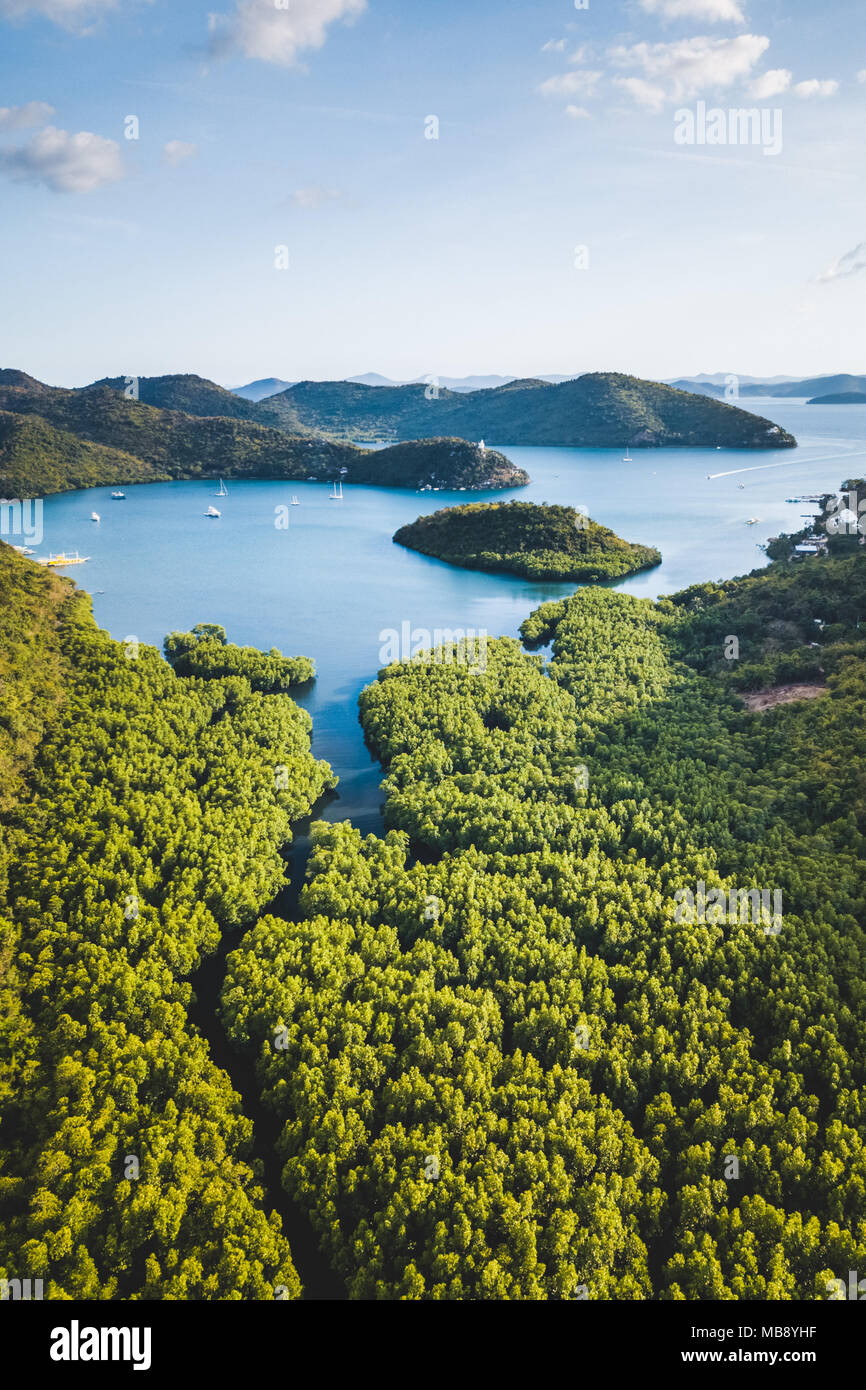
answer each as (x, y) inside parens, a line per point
(223, 492)
(295, 500)
(628, 458)
(335, 495)
(212, 512)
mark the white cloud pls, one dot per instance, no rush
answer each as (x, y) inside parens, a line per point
(554, 46)
(578, 113)
(644, 93)
(688, 67)
(35, 113)
(69, 14)
(772, 83)
(850, 264)
(713, 11)
(65, 163)
(571, 84)
(314, 196)
(259, 29)
(816, 88)
(176, 151)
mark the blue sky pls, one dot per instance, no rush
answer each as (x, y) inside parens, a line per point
(304, 127)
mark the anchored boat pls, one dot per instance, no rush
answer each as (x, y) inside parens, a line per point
(54, 561)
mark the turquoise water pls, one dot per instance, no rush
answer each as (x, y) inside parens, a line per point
(333, 581)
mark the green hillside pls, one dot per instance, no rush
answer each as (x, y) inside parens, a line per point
(37, 459)
(536, 542)
(177, 444)
(601, 409)
(97, 436)
(194, 395)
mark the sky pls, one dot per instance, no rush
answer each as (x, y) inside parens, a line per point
(320, 188)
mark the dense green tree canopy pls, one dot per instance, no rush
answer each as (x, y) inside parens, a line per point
(504, 1063)
(157, 811)
(504, 1066)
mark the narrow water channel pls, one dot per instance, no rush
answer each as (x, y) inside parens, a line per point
(320, 1281)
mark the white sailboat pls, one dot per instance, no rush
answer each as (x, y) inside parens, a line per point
(295, 500)
(223, 492)
(212, 512)
(337, 496)
(628, 458)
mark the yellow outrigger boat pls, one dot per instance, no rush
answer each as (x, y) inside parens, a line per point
(63, 559)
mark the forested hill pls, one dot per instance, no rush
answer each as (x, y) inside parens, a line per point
(37, 459)
(535, 541)
(512, 1069)
(195, 395)
(439, 464)
(143, 815)
(170, 443)
(96, 435)
(605, 409)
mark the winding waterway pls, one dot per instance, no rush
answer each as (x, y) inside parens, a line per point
(330, 583)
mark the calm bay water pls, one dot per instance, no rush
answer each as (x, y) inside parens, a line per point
(333, 581)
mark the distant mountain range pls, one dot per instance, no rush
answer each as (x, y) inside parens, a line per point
(712, 384)
(271, 385)
(779, 386)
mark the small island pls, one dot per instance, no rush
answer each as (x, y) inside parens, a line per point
(532, 540)
(840, 398)
(432, 465)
